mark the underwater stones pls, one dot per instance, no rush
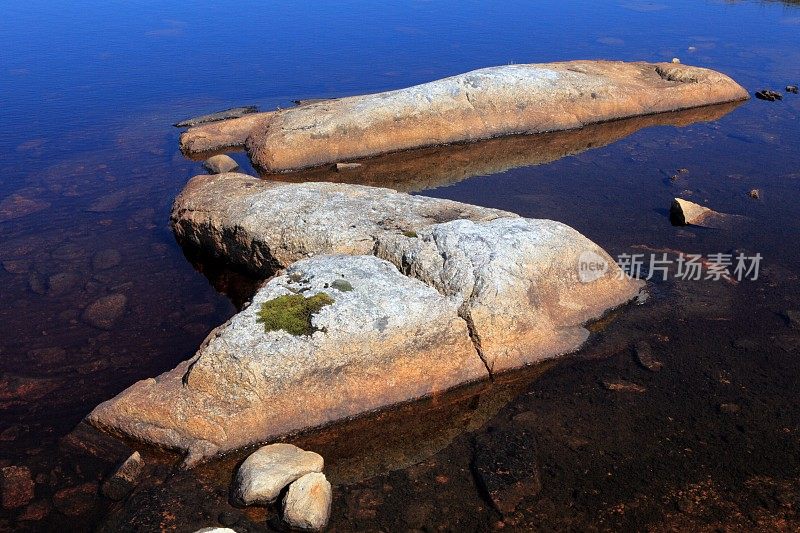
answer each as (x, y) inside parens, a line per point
(264, 474)
(388, 339)
(505, 466)
(264, 225)
(516, 282)
(104, 312)
(220, 163)
(105, 259)
(124, 478)
(683, 212)
(17, 206)
(755, 194)
(16, 486)
(645, 357)
(307, 504)
(620, 385)
(481, 104)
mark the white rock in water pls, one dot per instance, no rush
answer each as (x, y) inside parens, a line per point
(265, 473)
(220, 164)
(307, 505)
(215, 530)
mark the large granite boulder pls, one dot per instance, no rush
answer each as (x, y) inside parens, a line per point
(481, 104)
(455, 293)
(382, 338)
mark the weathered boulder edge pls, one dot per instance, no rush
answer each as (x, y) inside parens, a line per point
(477, 105)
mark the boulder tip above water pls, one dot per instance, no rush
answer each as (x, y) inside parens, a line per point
(264, 474)
(683, 213)
(482, 104)
(307, 505)
(220, 163)
(227, 114)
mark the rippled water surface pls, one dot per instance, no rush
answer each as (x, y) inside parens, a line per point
(90, 166)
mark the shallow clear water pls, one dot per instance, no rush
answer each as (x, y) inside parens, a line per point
(91, 165)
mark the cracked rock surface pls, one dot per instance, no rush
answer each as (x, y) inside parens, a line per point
(387, 338)
(427, 294)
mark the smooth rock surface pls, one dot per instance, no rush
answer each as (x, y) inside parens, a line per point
(389, 339)
(265, 473)
(219, 164)
(265, 225)
(481, 104)
(307, 505)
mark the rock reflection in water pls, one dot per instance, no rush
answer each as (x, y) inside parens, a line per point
(428, 168)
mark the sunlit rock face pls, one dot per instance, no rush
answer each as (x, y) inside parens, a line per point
(482, 104)
(417, 295)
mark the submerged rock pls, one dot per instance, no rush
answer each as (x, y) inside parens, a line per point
(683, 212)
(620, 385)
(265, 473)
(645, 357)
(219, 164)
(307, 505)
(770, 96)
(755, 194)
(505, 467)
(18, 206)
(106, 259)
(104, 312)
(234, 112)
(481, 104)
(124, 479)
(16, 486)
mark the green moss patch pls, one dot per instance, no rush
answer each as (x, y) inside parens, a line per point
(341, 285)
(410, 234)
(292, 313)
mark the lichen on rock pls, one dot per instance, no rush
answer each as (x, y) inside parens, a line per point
(292, 313)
